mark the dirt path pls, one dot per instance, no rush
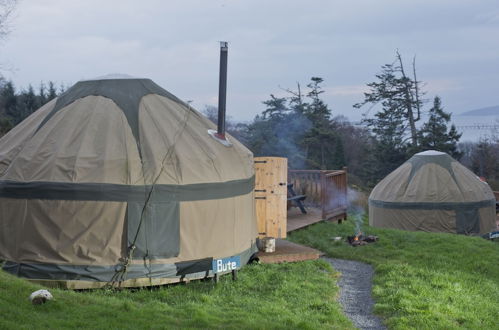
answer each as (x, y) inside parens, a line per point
(355, 292)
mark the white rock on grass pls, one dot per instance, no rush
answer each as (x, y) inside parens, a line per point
(40, 297)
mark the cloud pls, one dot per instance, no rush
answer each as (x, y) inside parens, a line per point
(442, 85)
(272, 44)
(346, 90)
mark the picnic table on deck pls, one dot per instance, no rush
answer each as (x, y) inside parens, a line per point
(297, 199)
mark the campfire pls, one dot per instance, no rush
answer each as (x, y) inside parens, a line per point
(361, 239)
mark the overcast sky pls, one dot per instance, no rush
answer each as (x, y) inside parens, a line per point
(271, 44)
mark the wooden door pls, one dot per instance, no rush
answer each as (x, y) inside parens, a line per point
(271, 196)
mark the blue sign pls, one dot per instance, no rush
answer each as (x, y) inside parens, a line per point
(226, 264)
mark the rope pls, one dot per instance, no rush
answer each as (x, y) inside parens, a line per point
(120, 274)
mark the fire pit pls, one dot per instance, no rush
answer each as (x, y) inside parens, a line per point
(361, 239)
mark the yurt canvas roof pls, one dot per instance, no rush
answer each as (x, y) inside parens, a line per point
(120, 169)
(433, 192)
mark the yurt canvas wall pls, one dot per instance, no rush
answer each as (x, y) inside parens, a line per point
(117, 178)
(433, 192)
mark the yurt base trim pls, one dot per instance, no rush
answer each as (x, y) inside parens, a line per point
(144, 274)
(132, 283)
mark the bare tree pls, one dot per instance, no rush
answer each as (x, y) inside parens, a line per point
(6, 10)
(410, 92)
(400, 96)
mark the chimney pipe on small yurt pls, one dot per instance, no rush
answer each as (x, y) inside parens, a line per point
(222, 90)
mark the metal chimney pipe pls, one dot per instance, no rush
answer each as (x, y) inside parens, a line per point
(222, 89)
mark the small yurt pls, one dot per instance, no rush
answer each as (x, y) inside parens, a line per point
(433, 192)
(117, 180)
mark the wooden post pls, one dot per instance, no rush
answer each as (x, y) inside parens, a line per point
(323, 194)
(234, 275)
(346, 191)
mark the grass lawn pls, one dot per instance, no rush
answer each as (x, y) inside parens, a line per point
(299, 295)
(422, 280)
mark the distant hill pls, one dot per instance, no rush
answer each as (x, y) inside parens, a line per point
(488, 111)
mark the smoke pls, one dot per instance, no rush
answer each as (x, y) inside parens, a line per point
(356, 202)
(284, 141)
(356, 208)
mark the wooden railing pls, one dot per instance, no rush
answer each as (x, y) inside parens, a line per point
(326, 189)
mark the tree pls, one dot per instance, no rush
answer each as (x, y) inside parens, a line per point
(5, 99)
(316, 110)
(485, 160)
(278, 132)
(389, 149)
(8, 101)
(52, 92)
(211, 112)
(435, 135)
(15, 106)
(296, 99)
(27, 104)
(322, 144)
(6, 9)
(357, 143)
(231, 127)
(5, 126)
(482, 158)
(42, 97)
(399, 95)
(276, 108)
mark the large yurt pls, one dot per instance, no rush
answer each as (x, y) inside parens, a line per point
(119, 181)
(433, 192)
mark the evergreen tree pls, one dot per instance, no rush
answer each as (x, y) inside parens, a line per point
(389, 147)
(296, 99)
(276, 108)
(316, 110)
(15, 107)
(52, 92)
(42, 96)
(30, 99)
(27, 104)
(277, 132)
(323, 146)
(8, 101)
(5, 126)
(338, 160)
(435, 135)
(394, 125)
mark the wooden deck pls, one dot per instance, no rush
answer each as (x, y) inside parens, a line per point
(298, 220)
(286, 251)
(327, 188)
